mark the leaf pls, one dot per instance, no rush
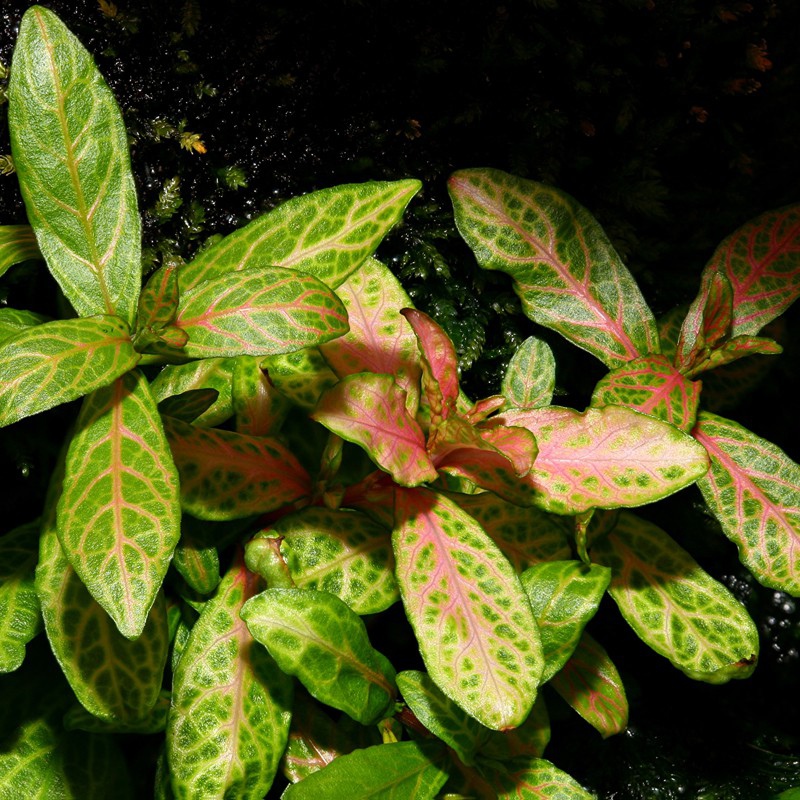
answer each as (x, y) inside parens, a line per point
(564, 596)
(78, 718)
(675, 607)
(14, 321)
(119, 514)
(188, 406)
(590, 684)
(20, 617)
(370, 410)
(397, 771)
(327, 233)
(606, 457)
(530, 739)
(440, 715)
(197, 563)
(566, 272)
(258, 312)
(736, 348)
(17, 244)
(53, 363)
(653, 386)
(379, 339)
(301, 376)
(753, 488)
(762, 264)
(341, 552)
(530, 377)
(70, 150)
(259, 407)
(231, 705)
(158, 305)
(226, 475)
(318, 639)
(533, 779)
(472, 620)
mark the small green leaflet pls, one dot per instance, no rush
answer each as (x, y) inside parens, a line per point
(301, 376)
(318, 639)
(753, 488)
(327, 233)
(17, 243)
(591, 684)
(197, 563)
(53, 363)
(675, 607)
(564, 596)
(14, 321)
(119, 514)
(227, 685)
(566, 272)
(472, 619)
(396, 771)
(20, 618)
(532, 779)
(259, 407)
(158, 305)
(70, 150)
(258, 312)
(606, 457)
(530, 378)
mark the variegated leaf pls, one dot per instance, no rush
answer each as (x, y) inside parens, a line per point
(530, 377)
(301, 376)
(536, 779)
(17, 244)
(158, 305)
(14, 321)
(259, 407)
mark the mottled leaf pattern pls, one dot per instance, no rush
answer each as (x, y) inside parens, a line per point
(226, 475)
(44, 366)
(327, 233)
(753, 488)
(317, 638)
(473, 622)
(70, 150)
(258, 312)
(17, 243)
(536, 779)
(591, 684)
(564, 596)
(674, 606)
(259, 407)
(231, 705)
(119, 514)
(653, 386)
(301, 376)
(530, 378)
(20, 618)
(197, 563)
(566, 272)
(606, 458)
(370, 410)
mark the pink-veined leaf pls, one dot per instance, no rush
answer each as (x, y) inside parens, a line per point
(301, 376)
(485, 408)
(753, 488)
(258, 312)
(327, 233)
(158, 305)
(370, 410)
(566, 272)
(606, 457)
(762, 261)
(379, 339)
(472, 620)
(530, 378)
(17, 243)
(439, 364)
(532, 779)
(119, 513)
(736, 348)
(590, 683)
(53, 363)
(226, 475)
(14, 321)
(259, 407)
(653, 386)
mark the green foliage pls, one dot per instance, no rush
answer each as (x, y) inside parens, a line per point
(272, 443)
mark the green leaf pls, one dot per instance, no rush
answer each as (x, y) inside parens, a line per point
(50, 364)
(70, 150)
(566, 272)
(17, 244)
(652, 386)
(258, 312)
(606, 457)
(302, 376)
(674, 606)
(231, 705)
(564, 596)
(440, 715)
(318, 639)
(188, 406)
(20, 618)
(370, 410)
(14, 321)
(259, 407)
(590, 684)
(397, 771)
(341, 552)
(530, 739)
(226, 475)
(753, 488)
(472, 619)
(327, 233)
(119, 514)
(197, 563)
(533, 779)
(158, 305)
(530, 377)
(78, 718)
